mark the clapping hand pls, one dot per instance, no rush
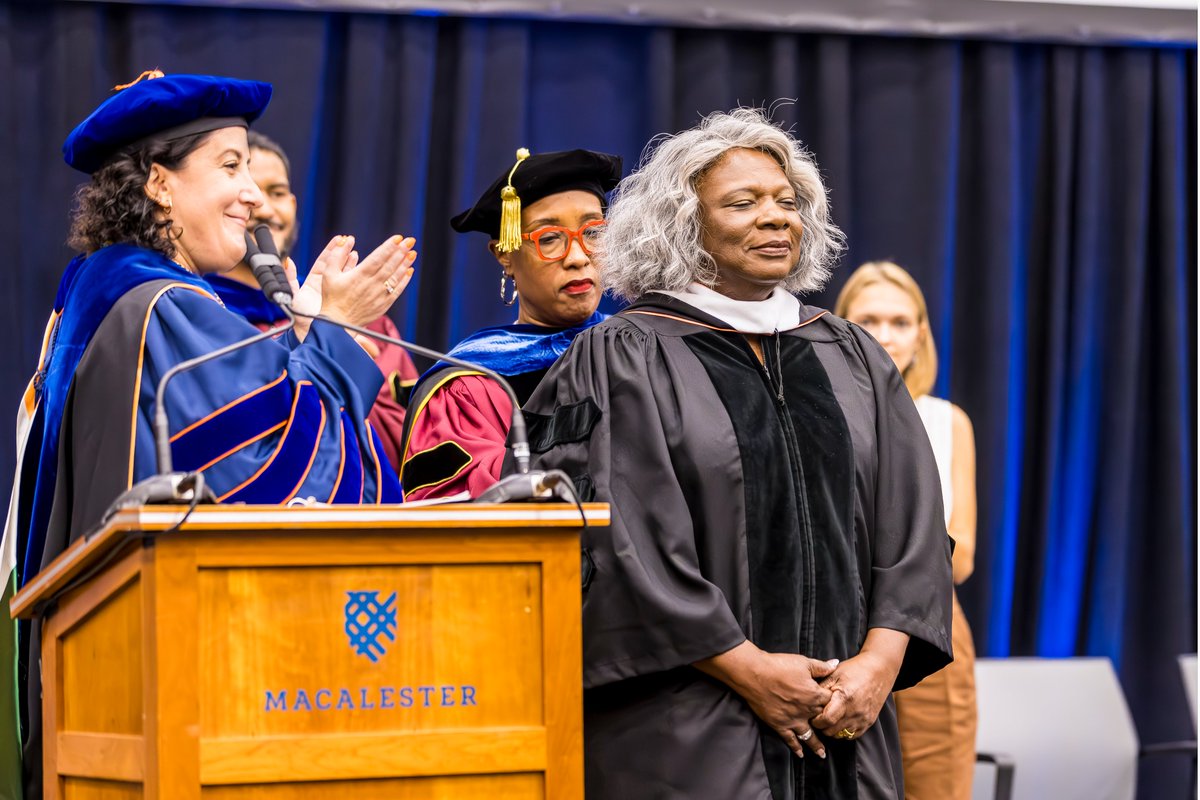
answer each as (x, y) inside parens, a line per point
(359, 293)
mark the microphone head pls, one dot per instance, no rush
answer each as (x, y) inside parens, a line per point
(264, 239)
(270, 276)
(277, 289)
(251, 247)
(263, 258)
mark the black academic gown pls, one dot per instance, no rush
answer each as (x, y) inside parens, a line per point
(796, 504)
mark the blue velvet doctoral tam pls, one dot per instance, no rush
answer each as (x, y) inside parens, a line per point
(156, 105)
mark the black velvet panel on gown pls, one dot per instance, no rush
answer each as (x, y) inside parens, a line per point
(798, 462)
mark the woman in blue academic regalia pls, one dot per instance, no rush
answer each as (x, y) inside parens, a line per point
(169, 196)
(167, 203)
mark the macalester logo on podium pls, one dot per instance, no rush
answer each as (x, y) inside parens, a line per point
(368, 620)
(370, 623)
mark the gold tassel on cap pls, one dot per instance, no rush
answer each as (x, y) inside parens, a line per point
(148, 75)
(510, 211)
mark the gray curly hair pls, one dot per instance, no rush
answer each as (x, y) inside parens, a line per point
(652, 239)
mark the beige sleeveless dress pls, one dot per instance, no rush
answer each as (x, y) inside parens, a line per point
(937, 717)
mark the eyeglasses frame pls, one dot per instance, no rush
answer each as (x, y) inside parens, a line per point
(576, 234)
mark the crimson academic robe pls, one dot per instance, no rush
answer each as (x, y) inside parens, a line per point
(794, 503)
(457, 428)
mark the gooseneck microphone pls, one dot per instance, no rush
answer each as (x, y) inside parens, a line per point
(525, 484)
(517, 432)
(169, 486)
(162, 436)
(270, 259)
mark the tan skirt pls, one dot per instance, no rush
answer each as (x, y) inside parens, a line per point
(937, 724)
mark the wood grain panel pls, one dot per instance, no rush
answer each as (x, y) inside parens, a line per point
(276, 759)
(52, 710)
(564, 670)
(92, 755)
(87, 789)
(291, 548)
(467, 650)
(101, 658)
(476, 787)
(173, 763)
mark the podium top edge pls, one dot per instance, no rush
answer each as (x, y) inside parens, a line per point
(398, 516)
(296, 520)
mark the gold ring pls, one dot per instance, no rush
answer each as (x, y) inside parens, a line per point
(846, 733)
(388, 285)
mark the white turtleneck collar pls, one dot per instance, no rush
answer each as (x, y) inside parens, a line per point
(779, 312)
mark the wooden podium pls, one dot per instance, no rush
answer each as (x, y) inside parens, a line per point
(348, 652)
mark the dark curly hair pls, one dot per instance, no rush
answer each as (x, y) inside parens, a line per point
(113, 208)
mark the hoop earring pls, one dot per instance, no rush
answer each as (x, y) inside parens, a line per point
(508, 301)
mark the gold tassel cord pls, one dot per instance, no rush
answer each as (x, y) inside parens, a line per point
(510, 211)
(148, 75)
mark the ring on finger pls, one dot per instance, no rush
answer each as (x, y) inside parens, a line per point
(846, 733)
(804, 737)
(389, 286)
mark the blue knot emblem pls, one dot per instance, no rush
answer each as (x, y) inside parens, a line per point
(367, 620)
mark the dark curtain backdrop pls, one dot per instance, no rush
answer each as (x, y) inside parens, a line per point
(1043, 195)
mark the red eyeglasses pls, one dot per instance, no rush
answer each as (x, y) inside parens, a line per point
(553, 241)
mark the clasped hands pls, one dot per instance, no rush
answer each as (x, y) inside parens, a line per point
(799, 696)
(796, 695)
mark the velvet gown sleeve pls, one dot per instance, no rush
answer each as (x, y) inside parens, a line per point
(266, 423)
(910, 577)
(399, 374)
(609, 414)
(458, 439)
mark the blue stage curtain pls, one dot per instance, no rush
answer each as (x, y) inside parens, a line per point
(1044, 196)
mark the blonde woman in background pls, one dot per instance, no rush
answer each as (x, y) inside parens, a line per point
(937, 717)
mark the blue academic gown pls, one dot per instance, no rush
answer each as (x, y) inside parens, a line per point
(275, 421)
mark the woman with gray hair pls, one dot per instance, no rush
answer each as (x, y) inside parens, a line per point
(777, 562)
